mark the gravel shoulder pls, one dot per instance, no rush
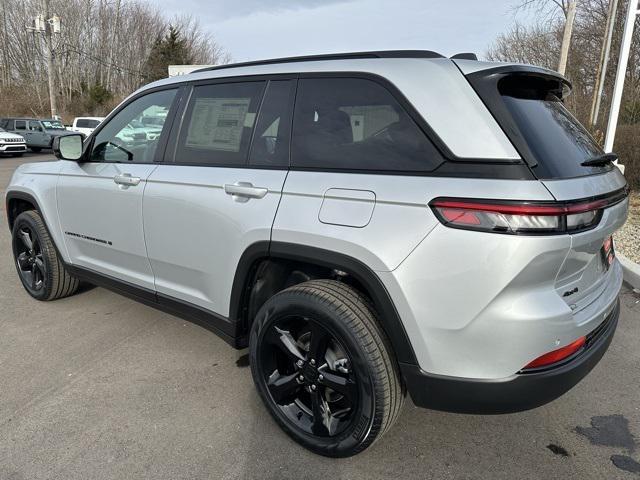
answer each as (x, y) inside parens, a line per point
(628, 237)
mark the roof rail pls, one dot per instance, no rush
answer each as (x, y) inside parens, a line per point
(331, 56)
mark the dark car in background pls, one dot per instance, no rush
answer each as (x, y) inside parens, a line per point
(38, 133)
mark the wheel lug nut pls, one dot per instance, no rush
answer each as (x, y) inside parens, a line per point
(313, 387)
(301, 378)
(320, 377)
(300, 363)
(313, 362)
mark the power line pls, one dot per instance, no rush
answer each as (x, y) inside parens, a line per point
(76, 50)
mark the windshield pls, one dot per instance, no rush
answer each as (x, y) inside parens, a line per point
(53, 125)
(557, 140)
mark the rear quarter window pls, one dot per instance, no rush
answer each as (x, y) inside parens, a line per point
(356, 124)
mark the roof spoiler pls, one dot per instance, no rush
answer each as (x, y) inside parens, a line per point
(465, 56)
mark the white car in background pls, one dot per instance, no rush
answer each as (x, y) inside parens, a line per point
(85, 125)
(12, 144)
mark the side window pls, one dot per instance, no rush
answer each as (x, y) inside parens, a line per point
(356, 124)
(4, 123)
(218, 124)
(35, 126)
(126, 138)
(21, 125)
(270, 145)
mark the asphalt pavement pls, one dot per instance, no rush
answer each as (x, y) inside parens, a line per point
(97, 386)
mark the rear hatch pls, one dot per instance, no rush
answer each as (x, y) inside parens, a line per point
(528, 103)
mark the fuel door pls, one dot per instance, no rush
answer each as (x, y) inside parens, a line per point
(347, 207)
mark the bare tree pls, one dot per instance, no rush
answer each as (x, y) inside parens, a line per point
(100, 53)
(539, 44)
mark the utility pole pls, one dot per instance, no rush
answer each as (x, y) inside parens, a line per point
(47, 26)
(618, 87)
(566, 38)
(49, 57)
(114, 41)
(604, 62)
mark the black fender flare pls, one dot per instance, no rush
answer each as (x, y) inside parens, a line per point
(18, 195)
(388, 315)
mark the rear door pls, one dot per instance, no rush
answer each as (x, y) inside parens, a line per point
(218, 191)
(356, 184)
(21, 129)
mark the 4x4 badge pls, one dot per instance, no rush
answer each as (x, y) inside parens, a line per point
(570, 292)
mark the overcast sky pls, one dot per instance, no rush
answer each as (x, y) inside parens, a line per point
(256, 29)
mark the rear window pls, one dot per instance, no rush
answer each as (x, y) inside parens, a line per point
(556, 141)
(218, 124)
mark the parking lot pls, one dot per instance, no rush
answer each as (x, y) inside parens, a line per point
(97, 386)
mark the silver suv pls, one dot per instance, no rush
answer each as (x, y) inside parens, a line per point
(367, 224)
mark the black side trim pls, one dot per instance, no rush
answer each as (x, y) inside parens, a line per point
(329, 56)
(388, 314)
(512, 394)
(217, 324)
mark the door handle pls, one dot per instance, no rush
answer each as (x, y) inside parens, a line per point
(126, 180)
(243, 191)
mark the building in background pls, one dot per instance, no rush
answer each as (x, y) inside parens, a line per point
(175, 70)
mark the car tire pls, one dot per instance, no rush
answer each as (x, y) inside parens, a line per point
(35, 149)
(39, 266)
(323, 367)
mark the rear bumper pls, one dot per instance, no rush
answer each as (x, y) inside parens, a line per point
(522, 391)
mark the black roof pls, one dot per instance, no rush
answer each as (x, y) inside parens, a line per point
(331, 56)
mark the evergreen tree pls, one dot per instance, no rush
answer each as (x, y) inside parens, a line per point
(172, 49)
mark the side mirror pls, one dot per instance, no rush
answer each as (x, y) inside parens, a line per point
(68, 147)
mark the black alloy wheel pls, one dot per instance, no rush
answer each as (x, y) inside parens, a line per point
(309, 376)
(323, 368)
(39, 266)
(29, 261)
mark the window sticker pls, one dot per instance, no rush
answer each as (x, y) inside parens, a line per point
(217, 123)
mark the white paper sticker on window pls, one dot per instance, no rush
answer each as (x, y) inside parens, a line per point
(217, 123)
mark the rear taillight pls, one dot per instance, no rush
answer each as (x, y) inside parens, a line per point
(557, 355)
(526, 218)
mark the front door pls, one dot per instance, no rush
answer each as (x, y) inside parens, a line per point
(100, 200)
(37, 135)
